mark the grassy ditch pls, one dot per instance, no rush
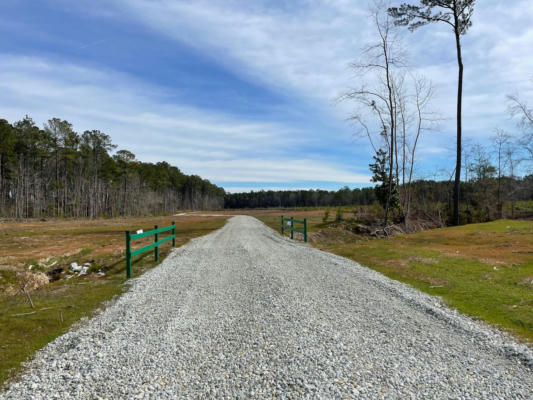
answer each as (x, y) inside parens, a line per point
(59, 304)
(483, 270)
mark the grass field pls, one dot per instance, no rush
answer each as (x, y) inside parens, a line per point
(483, 270)
(59, 304)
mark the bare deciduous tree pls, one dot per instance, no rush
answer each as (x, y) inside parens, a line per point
(379, 99)
(520, 108)
(501, 142)
(392, 106)
(424, 120)
(512, 160)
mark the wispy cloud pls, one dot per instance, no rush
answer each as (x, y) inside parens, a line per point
(91, 44)
(213, 145)
(306, 48)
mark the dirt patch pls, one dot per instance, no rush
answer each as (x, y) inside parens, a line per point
(397, 262)
(274, 211)
(434, 282)
(424, 260)
(27, 282)
(527, 281)
(333, 236)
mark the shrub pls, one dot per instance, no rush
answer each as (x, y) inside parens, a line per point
(339, 214)
(326, 215)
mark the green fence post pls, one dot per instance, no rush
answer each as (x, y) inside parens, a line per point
(282, 227)
(305, 229)
(173, 234)
(292, 227)
(128, 255)
(156, 250)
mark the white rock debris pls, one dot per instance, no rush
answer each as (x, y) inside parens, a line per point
(74, 267)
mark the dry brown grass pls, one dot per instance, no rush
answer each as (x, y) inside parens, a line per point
(262, 212)
(28, 282)
(40, 242)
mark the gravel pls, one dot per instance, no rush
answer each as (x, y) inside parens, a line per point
(245, 313)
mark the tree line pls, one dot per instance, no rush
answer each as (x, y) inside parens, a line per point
(486, 194)
(300, 198)
(497, 182)
(495, 177)
(57, 172)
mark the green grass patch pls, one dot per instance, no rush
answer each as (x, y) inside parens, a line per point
(57, 308)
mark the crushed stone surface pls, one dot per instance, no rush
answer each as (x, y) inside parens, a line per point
(244, 313)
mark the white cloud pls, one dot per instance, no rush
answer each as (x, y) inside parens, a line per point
(277, 170)
(213, 145)
(305, 49)
(497, 57)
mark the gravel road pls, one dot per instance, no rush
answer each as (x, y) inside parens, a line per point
(244, 313)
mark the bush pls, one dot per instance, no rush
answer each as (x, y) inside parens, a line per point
(326, 215)
(339, 214)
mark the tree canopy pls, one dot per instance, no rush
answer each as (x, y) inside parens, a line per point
(56, 171)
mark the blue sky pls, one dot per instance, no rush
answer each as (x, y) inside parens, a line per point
(244, 92)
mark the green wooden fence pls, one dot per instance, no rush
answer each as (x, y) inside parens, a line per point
(155, 232)
(290, 226)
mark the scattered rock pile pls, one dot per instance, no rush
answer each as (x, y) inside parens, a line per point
(74, 269)
(79, 269)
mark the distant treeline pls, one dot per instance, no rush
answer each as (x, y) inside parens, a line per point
(484, 197)
(57, 172)
(300, 198)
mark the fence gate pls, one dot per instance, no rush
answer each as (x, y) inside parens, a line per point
(154, 232)
(289, 223)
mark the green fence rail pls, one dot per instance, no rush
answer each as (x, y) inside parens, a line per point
(290, 226)
(154, 232)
